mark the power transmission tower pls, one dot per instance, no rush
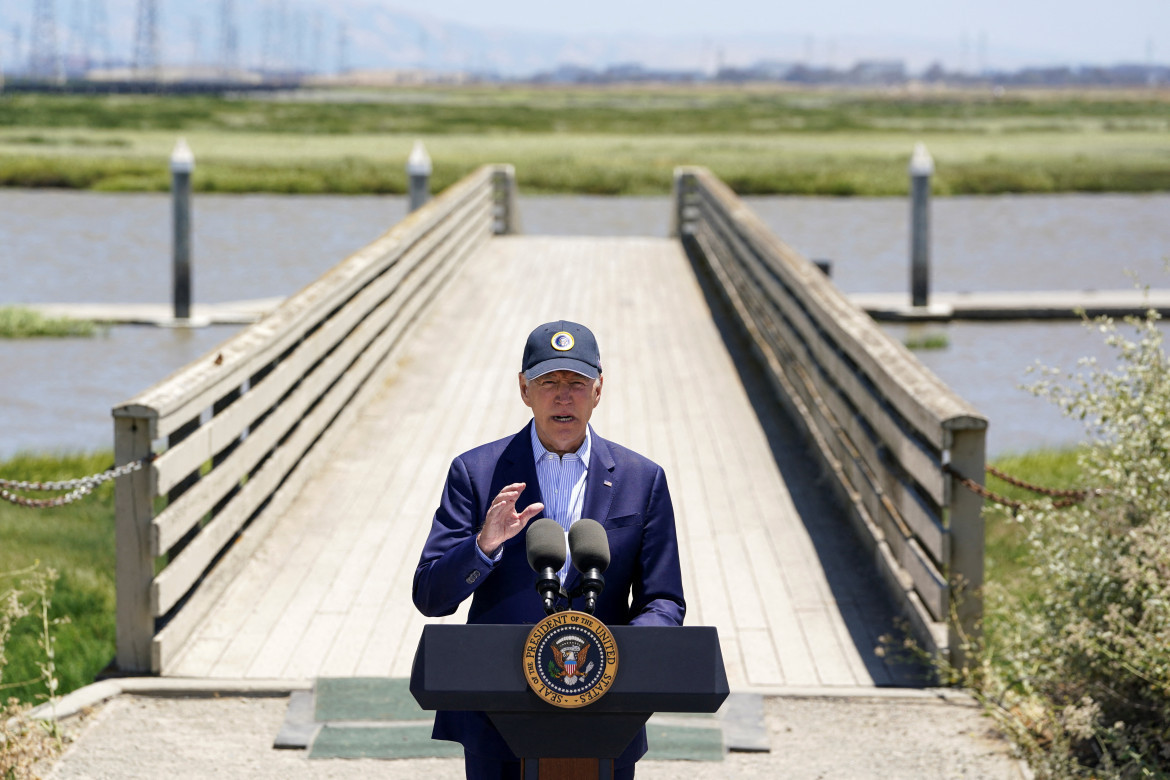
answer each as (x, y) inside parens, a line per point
(266, 37)
(17, 45)
(298, 41)
(146, 37)
(196, 41)
(99, 34)
(229, 37)
(342, 48)
(281, 37)
(78, 47)
(43, 61)
(318, 42)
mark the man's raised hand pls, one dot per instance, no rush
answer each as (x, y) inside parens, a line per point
(502, 521)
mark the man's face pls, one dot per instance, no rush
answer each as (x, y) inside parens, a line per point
(562, 403)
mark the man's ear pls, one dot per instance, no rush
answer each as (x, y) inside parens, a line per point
(597, 391)
(524, 390)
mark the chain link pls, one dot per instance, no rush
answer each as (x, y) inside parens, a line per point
(78, 488)
(1065, 498)
(1080, 495)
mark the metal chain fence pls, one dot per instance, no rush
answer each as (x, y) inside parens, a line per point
(1064, 498)
(78, 488)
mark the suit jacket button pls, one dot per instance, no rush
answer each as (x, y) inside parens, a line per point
(472, 577)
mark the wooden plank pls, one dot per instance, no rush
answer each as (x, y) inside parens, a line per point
(199, 384)
(967, 532)
(832, 664)
(759, 657)
(134, 563)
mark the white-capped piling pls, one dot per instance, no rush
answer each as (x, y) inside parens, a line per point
(921, 169)
(418, 170)
(182, 165)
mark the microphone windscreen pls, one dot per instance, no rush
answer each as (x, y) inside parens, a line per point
(589, 544)
(545, 543)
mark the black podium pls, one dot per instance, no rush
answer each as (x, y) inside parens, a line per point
(661, 669)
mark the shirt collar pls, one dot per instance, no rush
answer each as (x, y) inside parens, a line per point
(539, 452)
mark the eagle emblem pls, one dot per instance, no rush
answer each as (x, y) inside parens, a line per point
(568, 659)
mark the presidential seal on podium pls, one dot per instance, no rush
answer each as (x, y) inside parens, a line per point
(570, 659)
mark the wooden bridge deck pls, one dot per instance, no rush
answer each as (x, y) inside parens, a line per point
(765, 558)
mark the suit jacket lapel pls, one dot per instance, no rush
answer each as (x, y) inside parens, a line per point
(519, 466)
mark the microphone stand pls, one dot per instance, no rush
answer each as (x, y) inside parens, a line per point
(591, 585)
(549, 587)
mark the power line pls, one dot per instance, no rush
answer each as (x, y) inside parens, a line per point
(146, 46)
(43, 61)
(342, 48)
(229, 37)
(78, 48)
(98, 34)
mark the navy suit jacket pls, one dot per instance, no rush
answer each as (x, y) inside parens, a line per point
(624, 491)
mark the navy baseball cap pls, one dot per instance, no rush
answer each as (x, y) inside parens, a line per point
(561, 346)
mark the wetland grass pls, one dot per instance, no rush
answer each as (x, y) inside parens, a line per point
(595, 141)
(77, 541)
(18, 322)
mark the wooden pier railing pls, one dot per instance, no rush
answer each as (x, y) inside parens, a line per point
(890, 433)
(227, 440)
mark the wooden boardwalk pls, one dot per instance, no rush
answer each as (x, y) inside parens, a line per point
(765, 558)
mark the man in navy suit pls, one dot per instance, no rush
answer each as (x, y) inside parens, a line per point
(557, 467)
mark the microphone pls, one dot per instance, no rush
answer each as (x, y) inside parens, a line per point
(590, 546)
(545, 543)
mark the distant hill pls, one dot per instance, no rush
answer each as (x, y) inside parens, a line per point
(325, 36)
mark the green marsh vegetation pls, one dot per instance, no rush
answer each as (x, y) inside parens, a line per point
(595, 140)
(77, 543)
(1075, 658)
(17, 322)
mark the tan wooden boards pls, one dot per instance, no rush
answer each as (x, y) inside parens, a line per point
(328, 593)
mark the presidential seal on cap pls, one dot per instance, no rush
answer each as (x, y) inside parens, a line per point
(561, 346)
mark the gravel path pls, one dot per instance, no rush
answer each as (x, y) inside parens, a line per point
(173, 738)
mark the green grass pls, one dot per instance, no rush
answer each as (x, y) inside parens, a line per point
(927, 341)
(1006, 551)
(78, 541)
(17, 322)
(599, 141)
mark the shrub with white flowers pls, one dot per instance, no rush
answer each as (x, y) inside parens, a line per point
(1083, 670)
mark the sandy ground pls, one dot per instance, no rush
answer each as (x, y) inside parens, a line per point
(140, 737)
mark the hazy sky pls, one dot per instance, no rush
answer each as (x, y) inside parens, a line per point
(1067, 30)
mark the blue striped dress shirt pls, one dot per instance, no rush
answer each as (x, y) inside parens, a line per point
(562, 485)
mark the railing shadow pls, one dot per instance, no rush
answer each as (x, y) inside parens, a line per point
(871, 616)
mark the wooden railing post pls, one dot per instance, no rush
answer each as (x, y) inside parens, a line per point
(182, 165)
(921, 169)
(418, 172)
(507, 217)
(134, 510)
(681, 196)
(965, 522)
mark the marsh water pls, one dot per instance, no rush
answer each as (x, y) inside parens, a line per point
(56, 395)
